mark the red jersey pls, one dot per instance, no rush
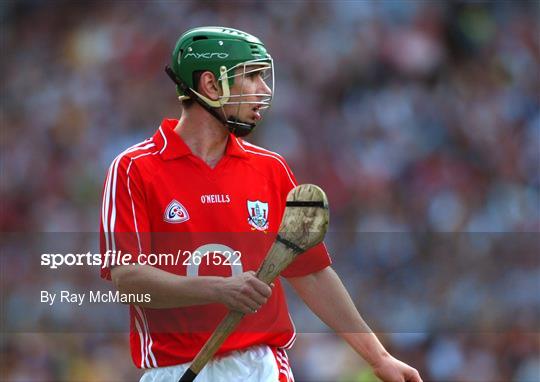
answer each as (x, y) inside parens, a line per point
(159, 198)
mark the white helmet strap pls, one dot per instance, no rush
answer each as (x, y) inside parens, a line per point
(226, 91)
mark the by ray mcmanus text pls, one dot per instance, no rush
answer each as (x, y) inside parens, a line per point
(93, 297)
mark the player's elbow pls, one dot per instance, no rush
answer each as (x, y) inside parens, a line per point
(120, 276)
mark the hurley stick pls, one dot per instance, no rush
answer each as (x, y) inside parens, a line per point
(303, 226)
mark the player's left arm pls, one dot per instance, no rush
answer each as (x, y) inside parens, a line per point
(324, 293)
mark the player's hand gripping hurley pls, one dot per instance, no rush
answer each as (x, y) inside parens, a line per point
(304, 225)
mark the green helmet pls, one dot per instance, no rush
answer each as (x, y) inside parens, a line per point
(210, 48)
(221, 51)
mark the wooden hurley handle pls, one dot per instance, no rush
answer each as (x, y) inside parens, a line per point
(224, 329)
(303, 226)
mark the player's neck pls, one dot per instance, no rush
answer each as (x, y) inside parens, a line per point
(204, 135)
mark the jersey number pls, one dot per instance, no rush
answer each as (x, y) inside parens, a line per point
(231, 257)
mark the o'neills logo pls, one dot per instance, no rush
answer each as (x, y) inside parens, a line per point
(216, 198)
(207, 55)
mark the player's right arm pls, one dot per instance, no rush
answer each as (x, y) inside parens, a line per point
(244, 293)
(125, 227)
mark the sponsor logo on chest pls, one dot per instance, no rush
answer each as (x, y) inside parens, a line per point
(175, 213)
(258, 214)
(215, 198)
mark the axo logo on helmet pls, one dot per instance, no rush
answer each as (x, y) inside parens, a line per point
(207, 55)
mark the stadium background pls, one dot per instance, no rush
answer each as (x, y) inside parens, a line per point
(420, 120)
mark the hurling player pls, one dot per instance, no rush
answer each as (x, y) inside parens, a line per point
(197, 176)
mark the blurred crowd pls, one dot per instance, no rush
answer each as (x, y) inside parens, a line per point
(420, 119)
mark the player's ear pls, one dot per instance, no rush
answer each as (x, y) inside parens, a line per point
(208, 86)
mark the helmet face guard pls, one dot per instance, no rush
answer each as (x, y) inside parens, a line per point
(262, 101)
(230, 55)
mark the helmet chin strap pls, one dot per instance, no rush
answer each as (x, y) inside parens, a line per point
(239, 128)
(234, 125)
